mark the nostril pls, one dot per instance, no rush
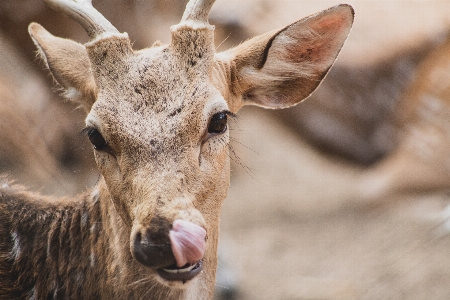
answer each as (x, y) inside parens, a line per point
(188, 242)
(137, 240)
(153, 253)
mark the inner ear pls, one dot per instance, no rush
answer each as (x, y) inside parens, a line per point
(281, 68)
(69, 64)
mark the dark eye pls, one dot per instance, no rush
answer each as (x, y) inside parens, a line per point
(96, 139)
(218, 123)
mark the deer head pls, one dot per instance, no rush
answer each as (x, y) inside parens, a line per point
(157, 118)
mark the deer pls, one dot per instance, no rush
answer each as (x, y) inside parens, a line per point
(419, 162)
(157, 120)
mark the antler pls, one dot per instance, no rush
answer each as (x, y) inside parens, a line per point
(197, 10)
(195, 15)
(85, 14)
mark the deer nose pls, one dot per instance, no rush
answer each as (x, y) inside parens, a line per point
(151, 250)
(162, 246)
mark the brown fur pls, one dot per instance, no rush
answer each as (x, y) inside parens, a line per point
(62, 261)
(153, 108)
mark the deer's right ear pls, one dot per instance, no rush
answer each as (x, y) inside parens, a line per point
(281, 68)
(69, 64)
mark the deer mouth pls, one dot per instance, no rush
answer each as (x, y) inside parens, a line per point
(184, 274)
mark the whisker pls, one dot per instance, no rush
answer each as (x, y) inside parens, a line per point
(223, 41)
(140, 281)
(238, 161)
(234, 140)
(235, 118)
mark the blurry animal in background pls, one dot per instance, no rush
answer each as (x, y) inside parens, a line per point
(352, 114)
(157, 120)
(391, 119)
(32, 148)
(420, 162)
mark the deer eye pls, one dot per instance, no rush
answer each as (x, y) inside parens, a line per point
(218, 123)
(96, 139)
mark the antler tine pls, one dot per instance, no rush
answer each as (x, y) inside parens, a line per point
(85, 14)
(197, 10)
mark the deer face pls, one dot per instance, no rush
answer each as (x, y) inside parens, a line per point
(161, 143)
(160, 136)
(157, 118)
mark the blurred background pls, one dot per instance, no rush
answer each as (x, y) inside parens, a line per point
(344, 196)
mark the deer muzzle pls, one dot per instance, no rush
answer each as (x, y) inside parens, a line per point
(174, 250)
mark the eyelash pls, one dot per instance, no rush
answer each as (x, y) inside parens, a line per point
(95, 137)
(218, 123)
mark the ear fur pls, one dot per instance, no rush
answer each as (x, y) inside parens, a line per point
(281, 68)
(69, 64)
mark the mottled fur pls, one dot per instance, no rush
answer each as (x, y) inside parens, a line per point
(63, 249)
(153, 108)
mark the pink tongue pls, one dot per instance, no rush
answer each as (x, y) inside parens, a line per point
(188, 242)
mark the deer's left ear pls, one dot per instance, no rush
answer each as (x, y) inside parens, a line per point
(279, 69)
